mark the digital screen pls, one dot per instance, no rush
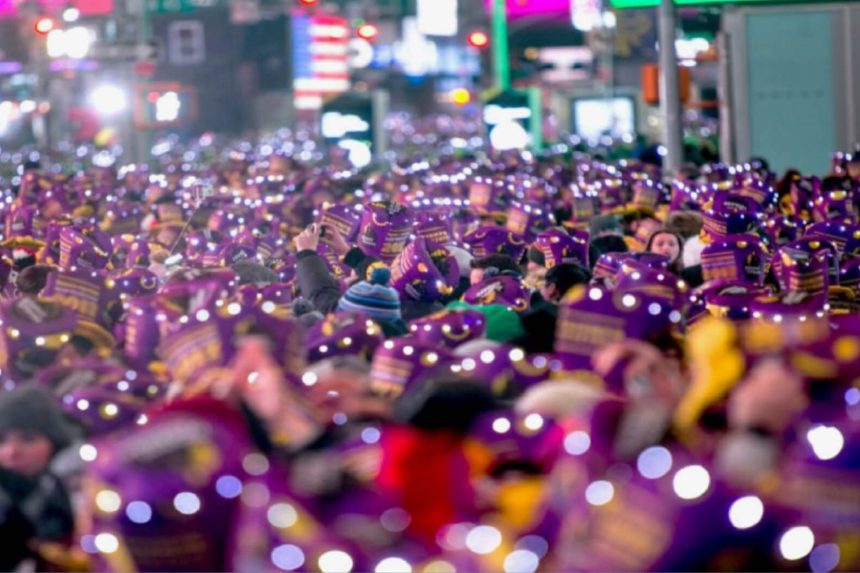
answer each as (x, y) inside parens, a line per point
(596, 117)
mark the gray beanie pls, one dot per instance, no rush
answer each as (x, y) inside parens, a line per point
(32, 409)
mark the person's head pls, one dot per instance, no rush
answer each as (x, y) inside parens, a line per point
(562, 278)
(492, 265)
(32, 430)
(33, 279)
(684, 223)
(536, 260)
(605, 225)
(666, 243)
(373, 297)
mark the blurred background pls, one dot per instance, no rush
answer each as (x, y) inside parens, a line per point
(753, 78)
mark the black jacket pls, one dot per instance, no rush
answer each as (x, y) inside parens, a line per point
(316, 282)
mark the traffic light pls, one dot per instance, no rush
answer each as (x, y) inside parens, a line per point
(43, 26)
(478, 39)
(367, 32)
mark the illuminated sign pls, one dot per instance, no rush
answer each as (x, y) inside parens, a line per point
(437, 17)
(510, 120)
(352, 123)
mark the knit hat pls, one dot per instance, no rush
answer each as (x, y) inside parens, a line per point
(30, 408)
(373, 297)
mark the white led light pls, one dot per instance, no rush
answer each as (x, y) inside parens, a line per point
(746, 512)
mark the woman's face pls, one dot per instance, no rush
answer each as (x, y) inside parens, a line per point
(25, 452)
(666, 244)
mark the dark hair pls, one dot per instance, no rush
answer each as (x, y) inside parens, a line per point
(33, 279)
(567, 276)
(684, 223)
(503, 263)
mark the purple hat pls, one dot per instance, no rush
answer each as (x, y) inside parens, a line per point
(87, 248)
(802, 192)
(609, 264)
(132, 282)
(501, 289)
(736, 258)
(782, 229)
(729, 299)
(507, 370)
(424, 271)
(808, 255)
(345, 219)
(528, 220)
(485, 241)
(647, 196)
(849, 274)
(51, 253)
(801, 271)
(85, 292)
(32, 332)
(844, 234)
(582, 210)
(385, 229)
(592, 317)
(488, 196)
(401, 362)
(728, 214)
(343, 334)
(448, 328)
(178, 481)
(123, 217)
(778, 308)
(759, 190)
(684, 196)
(835, 202)
(560, 248)
(435, 226)
(128, 251)
(102, 409)
(655, 283)
(515, 440)
(19, 221)
(141, 332)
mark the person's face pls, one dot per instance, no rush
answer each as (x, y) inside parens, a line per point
(549, 292)
(25, 452)
(534, 268)
(666, 244)
(476, 276)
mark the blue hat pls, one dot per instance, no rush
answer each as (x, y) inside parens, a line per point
(373, 297)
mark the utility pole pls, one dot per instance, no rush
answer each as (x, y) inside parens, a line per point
(670, 98)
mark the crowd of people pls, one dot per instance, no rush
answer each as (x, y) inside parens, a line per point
(466, 361)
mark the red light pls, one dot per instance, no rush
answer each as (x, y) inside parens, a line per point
(367, 32)
(152, 97)
(478, 39)
(44, 25)
(308, 2)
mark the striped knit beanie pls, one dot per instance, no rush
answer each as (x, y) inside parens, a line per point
(373, 297)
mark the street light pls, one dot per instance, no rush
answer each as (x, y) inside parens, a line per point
(108, 100)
